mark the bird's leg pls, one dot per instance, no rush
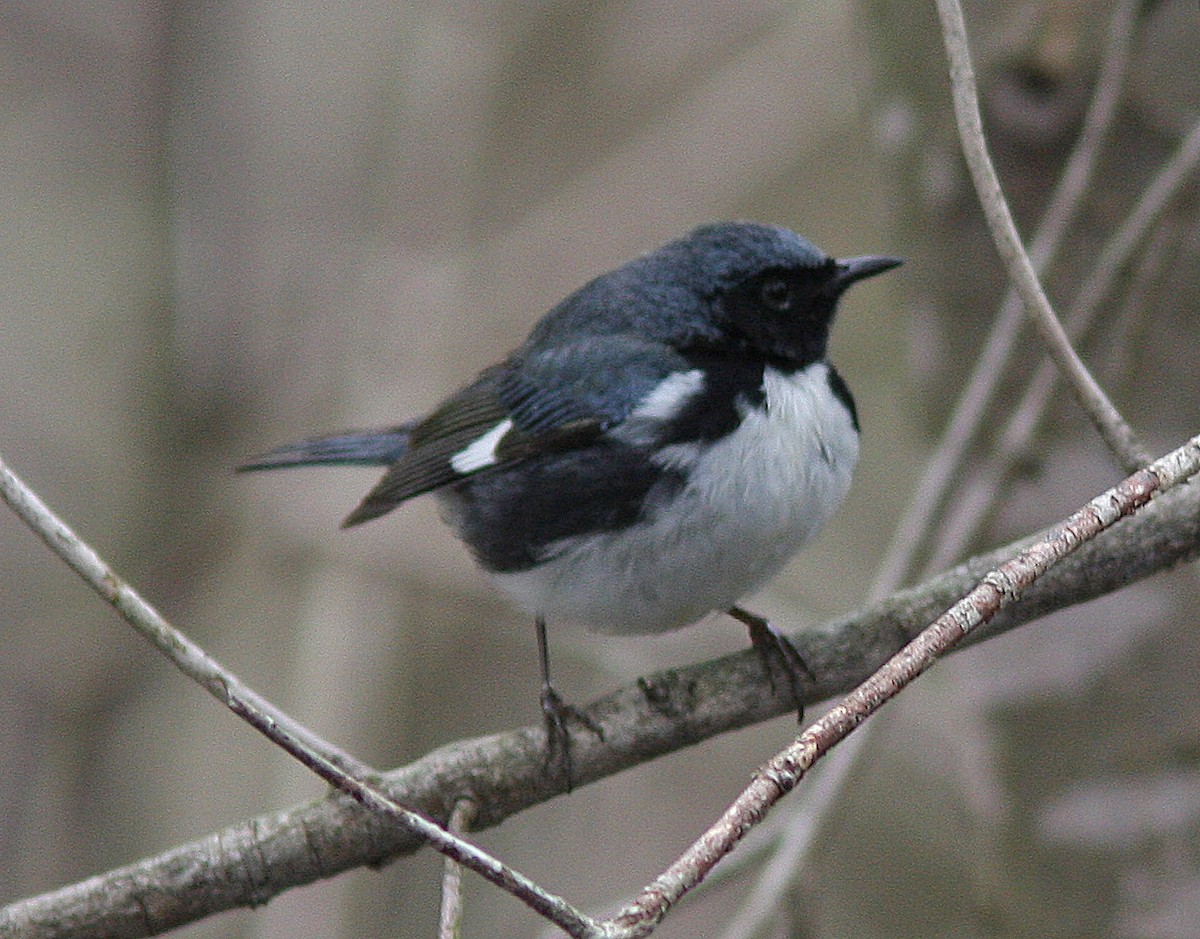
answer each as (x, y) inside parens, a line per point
(773, 646)
(557, 712)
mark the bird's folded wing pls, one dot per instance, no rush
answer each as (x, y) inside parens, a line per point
(537, 403)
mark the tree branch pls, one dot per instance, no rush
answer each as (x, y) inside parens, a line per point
(341, 770)
(935, 486)
(450, 917)
(248, 863)
(1000, 588)
(1108, 420)
(1026, 416)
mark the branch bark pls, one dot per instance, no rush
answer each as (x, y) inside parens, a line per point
(1002, 587)
(248, 863)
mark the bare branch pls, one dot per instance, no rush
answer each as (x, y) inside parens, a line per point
(249, 863)
(1112, 426)
(781, 870)
(999, 588)
(451, 914)
(184, 654)
(968, 414)
(1026, 416)
(334, 766)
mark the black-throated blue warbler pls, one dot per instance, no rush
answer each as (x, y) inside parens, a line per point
(661, 444)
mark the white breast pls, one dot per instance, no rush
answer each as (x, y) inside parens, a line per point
(751, 500)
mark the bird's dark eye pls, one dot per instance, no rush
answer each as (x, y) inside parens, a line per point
(777, 294)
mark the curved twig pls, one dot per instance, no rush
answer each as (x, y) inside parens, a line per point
(944, 464)
(1116, 432)
(339, 769)
(1026, 415)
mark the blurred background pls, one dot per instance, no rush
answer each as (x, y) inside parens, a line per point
(228, 226)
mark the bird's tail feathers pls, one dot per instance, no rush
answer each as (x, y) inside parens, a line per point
(352, 448)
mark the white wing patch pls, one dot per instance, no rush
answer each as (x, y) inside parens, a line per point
(669, 395)
(665, 401)
(482, 452)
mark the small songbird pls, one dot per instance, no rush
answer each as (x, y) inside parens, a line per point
(659, 446)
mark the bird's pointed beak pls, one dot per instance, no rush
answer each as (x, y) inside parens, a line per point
(851, 270)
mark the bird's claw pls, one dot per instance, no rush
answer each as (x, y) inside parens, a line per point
(557, 713)
(774, 648)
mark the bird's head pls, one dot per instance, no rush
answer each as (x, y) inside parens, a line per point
(737, 287)
(767, 290)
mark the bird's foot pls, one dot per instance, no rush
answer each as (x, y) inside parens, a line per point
(774, 648)
(557, 714)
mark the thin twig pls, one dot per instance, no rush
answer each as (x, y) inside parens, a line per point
(1123, 335)
(247, 863)
(1026, 416)
(184, 654)
(1001, 587)
(1113, 259)
(782, 869)
(450, 918)
(1134, 230)
(1116, 432)
(332, 765)
(933, 490)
